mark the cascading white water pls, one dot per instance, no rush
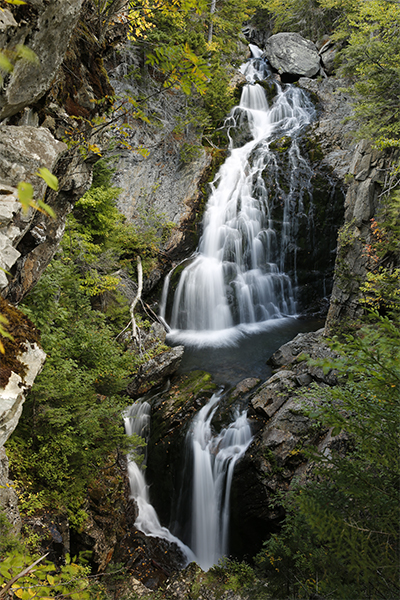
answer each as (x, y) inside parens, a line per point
(214, 459)
(236, 280)
(137, 421)
(237, 276)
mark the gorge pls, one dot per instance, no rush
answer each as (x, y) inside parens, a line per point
(239, 216)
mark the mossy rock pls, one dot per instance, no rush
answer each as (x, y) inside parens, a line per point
(313, 149)
(172, 414)
(281, 145)
(22, 331)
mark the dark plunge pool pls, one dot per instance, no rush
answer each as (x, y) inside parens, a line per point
(233, 355)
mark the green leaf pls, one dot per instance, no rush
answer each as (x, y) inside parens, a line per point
(46, 208)
(49, 178)
(336, 430)
(25, 194)
(5, 64)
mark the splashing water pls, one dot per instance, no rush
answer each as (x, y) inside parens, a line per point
(237, 276)
(214, 459)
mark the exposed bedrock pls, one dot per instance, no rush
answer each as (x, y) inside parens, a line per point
(276, 456)
(45, 29)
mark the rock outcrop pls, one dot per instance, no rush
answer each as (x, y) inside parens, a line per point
(292, 55)
(44, 29)
(13, 387)
(276, 456)
(368, 170)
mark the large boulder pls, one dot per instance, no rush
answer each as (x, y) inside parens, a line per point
(291, 54)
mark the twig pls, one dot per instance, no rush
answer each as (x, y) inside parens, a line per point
(4, 590)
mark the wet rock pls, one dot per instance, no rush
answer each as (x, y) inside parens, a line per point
(171, 415)
(273, 393)
(243, 388)
(331, 131)
(276, 454)
(154, 372)
(291, 54)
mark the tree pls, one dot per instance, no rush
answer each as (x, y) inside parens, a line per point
(341, 538)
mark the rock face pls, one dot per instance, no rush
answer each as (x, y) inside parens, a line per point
(156, 371)
(331, 130)
(291, 54)
(46, 33)
(12, 397)
(367, 170)
(275, 455)
(164, 185)
(23, 150)
(35, 237)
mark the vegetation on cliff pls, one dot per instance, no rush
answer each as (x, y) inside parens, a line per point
(340, 536)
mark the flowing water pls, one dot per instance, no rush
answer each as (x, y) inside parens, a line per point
(241, 282)
(137, 421)
(237, 276)
(214, 459)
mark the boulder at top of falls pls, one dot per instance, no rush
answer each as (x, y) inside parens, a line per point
(291, 54)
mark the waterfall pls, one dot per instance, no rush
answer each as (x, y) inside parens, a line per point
(137, 421)
(214, 459)
(237, 277)
(242, 278)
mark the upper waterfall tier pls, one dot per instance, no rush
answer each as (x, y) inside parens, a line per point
(238, 274)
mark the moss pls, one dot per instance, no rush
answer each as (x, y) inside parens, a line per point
(270, 89)
(190, 386)
(281, 145)
(22, 330)
(313, 149)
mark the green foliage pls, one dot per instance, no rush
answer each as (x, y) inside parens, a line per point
(310, 18)
(231, 575)
(381, 288)
(71, 425)
(8, 541)
(22, 576)
(100, 241)
(340, 538)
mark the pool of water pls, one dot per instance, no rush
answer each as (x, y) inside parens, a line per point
(233, 355)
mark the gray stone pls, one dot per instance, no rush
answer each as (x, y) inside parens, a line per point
(8, 26)
(155, 372)
(291, 54)
(273, 393)
(13, 395)
(333, 130)
(47, 36)
(23, 150)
